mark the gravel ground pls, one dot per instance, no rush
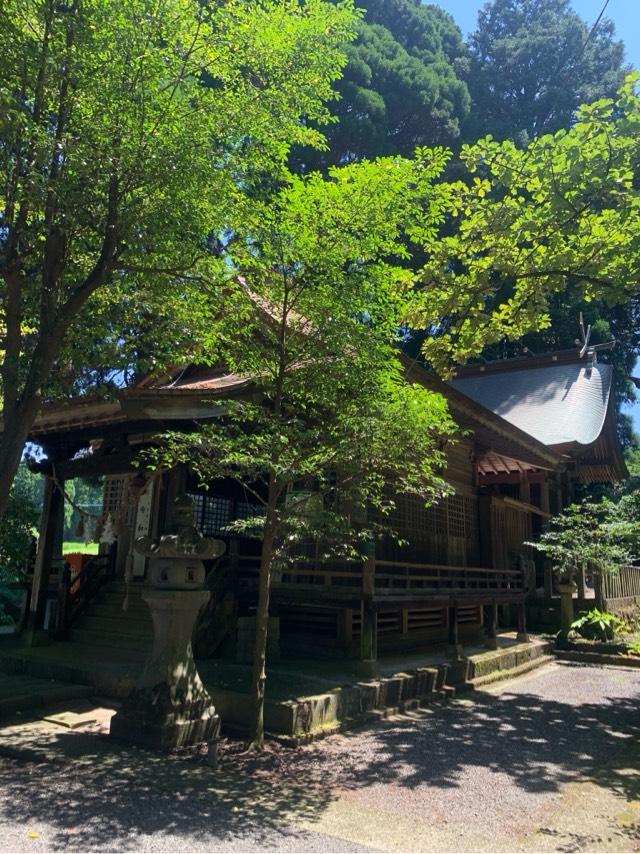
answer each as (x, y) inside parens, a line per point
(549, 762)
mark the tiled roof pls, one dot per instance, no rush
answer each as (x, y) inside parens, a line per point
(558, 403)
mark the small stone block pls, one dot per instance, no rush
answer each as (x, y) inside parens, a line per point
(70, 720)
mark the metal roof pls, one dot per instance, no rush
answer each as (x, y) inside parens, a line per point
(558, 403)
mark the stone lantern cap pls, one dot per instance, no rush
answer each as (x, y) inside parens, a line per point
(184, 541)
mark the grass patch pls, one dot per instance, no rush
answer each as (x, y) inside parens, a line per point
(69, 547)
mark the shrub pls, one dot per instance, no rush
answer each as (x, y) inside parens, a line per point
(16, 534)
(598, 625)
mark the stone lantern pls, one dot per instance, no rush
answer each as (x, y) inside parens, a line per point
(170, 707)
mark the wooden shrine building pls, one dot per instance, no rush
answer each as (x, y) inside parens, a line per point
(532, 428)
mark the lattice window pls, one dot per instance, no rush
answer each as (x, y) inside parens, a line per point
(456, 515)
(248, 510)
(112, 494)
(198, 507)
(211, 513)
(117, 500)
(216, 515)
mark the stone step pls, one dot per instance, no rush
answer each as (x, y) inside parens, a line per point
(111, 673)
(111, 609)
(128, 643)
(116, 599)
(115, 625)
(21, 692)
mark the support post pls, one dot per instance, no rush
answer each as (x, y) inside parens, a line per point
(581, 581)
(485, 530)
(369, 628)
(49, 548)
(522, 622)
(598, 588)
(491, 641)
(544, 496)
(548, 579)
(566, 608)
(455, 648)
(545, 506)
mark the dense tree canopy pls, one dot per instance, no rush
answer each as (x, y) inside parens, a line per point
(401, 88)
(528, 222)
(126, 130)
(532, 63)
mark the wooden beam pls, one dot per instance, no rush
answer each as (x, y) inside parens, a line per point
(120, 462)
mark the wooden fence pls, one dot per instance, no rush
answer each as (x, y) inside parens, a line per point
(623, 585)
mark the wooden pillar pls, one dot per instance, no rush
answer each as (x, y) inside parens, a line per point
(548, 579)
(49, 548)
(345, 628)
(455, 648)
(485, 531)
(581, 581)
(369, 626)
(522, 622)
(491, 641)
(525, 488)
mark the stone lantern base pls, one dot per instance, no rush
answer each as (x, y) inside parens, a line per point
(170, 707)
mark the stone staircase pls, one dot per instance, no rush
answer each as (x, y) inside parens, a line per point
(115, 623)
(105, 649)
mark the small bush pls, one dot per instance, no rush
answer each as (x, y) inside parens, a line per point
(633, 648)
(598, 625)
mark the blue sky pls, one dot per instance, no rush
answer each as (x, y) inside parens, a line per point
(625, 14)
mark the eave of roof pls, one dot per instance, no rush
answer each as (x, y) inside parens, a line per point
(526, 448)
(561, 403)
(198, 389)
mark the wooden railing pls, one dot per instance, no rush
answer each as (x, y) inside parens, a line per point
(623, 585)
(389, 578)
(76, 593)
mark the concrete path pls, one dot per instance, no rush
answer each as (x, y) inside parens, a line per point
(549, 762)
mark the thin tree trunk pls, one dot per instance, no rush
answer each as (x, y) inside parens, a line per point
(256, 728)
(11, 447)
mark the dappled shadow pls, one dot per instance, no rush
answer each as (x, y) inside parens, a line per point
(573, 723)
(564, 725)
(540, 742)
(109, 797)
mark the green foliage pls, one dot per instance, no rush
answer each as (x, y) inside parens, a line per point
(528, 222)
(401, 88)
(17, 531)
(633, 648)
(5, 618)
(127, 129)
(589, 534)
(532, 64)
(325, 282)
(598, 625)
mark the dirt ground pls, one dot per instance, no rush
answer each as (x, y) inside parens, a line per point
(548, 762)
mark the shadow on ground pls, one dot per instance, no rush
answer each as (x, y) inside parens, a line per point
(539, 742)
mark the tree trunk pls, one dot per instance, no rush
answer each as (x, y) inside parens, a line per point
(16, 426)
(256, 727)
(598, 588)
